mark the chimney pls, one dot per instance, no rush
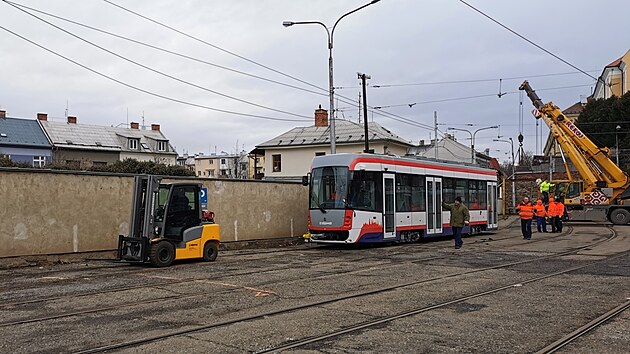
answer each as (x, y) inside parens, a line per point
(321, 117)
(42, 116)
(72, 120)
(134, 125)
(155, 127)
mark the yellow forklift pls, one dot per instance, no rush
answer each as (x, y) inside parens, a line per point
(167, 224)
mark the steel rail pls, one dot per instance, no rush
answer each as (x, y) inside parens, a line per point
(200, 328)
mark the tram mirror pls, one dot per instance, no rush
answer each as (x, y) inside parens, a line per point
(305, 179)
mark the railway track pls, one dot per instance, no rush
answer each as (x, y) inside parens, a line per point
(355, 295)
(580, 332)
(388, 319)
(405, 250)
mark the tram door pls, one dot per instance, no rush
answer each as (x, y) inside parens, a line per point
(389, 206)
(492, 206)
(434, 205)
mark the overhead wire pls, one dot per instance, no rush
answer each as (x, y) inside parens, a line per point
(143, 90)
(165, 50)
(475, 80)
(347, 99)
(529, 41)
(213, 45)
(155, 70)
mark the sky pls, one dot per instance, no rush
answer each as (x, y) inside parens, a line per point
(422, 56)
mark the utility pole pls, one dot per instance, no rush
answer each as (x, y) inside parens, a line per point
(363, 78)
(435, 130)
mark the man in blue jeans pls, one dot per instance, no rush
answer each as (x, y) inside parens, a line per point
(459, 218)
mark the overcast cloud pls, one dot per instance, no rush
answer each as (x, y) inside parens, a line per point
(394, 41)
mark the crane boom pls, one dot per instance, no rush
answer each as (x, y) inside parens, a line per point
(603, 181)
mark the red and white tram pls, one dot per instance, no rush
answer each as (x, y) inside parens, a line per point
(361, 198)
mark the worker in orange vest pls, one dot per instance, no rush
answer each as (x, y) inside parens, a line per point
(559, 214)
(540, 213)
(552, 213)
(526, 212)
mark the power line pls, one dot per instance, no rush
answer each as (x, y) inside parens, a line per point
(155, 70)
(529, 41)
(143, 90)
(214, 46)
(166, 50)
(474, 80)
(331, 114)
(473, 97)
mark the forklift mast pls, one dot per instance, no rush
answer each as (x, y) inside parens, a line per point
(145, 193)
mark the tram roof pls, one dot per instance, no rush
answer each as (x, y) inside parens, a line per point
(351, 160)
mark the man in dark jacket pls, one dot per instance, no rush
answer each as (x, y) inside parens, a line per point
(459, 217)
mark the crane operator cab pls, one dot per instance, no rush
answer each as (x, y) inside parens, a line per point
(167, 224)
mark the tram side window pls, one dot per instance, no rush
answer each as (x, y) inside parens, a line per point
(461, 190)
(403, 192)
(448, 189)
(473, 195)
(418, 197)
(366, 191)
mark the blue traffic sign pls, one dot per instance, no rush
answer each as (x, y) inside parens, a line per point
(204, 195)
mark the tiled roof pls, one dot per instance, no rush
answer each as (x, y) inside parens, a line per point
(95, 137)
(22, 132)
(614, 63)
(576, 108)
(347, 132)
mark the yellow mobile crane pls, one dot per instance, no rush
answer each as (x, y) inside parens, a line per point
(602, 193)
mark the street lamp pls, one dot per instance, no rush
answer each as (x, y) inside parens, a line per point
(511, 142)
(472, 139)
(331, 92)
(617, 129)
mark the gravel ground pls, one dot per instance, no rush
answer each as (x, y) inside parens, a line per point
(259, 299)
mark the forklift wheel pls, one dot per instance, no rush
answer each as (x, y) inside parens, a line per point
(162, 254)
(210, 251)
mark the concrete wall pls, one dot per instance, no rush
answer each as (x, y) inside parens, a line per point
(45, 212)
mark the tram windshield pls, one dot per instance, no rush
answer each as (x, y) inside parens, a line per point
(329, 188)
(338, 188)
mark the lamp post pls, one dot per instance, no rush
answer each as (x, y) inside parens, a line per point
(472, 139)
(617, 129)
(331, 90)
(511, 142)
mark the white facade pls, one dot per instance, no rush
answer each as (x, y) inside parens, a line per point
(296, 161)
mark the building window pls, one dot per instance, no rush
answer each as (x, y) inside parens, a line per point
(210, 162)
(133, 144)
(210, 173)
(276, 163)
(199, 173)
(39, 161)
(162, 145)
(320, 153)
(5, 156)
(222, 161)
(145, 146)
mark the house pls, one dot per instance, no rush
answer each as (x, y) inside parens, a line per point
(449, 149)
(186, 161)
(86, 145)
(23, 141)
(614, 79)
(222, 166)
(288, 156)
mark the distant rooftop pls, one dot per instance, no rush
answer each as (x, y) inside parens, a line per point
(22, 132)
(347, 132)
(102, 138)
